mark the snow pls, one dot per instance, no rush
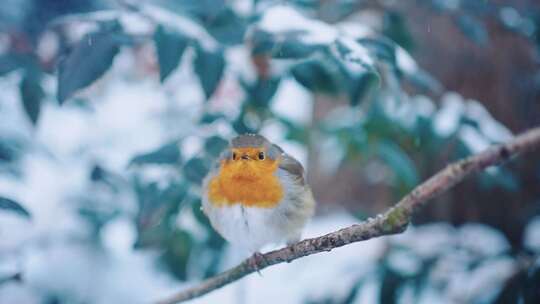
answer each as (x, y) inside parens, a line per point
(243, 7)
(404, 262)
(427, 241)
(281, 19)
(293, 102)
(482, 240)
(181, 23)
(482, 283)
(423, 105)
(405, 62)
(135, 23)
(531, 239)
(490, 128)
(473, 139)
(191, 146)
(240, 63)
(329, 162)
(118, 236)
(510, 16)
(85, 273)
(354, 30)
(446, 121)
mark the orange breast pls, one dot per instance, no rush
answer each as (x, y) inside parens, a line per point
(251, 183)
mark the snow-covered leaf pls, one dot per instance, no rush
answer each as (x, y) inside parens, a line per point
(279, 20)
(11, 205)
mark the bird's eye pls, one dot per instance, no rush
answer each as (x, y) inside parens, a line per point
(261, 155)
(234, 155)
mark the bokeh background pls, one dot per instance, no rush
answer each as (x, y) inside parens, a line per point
(111, 113)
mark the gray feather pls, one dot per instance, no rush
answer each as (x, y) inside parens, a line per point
(291, 166)
(249, 140)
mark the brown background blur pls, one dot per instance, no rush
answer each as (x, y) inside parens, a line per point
(504, 75)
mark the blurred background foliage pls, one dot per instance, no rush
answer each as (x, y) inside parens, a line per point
(372, 96)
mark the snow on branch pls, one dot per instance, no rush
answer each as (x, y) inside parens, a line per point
(393, 221)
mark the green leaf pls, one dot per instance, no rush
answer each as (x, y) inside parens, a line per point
(209, 67)
(317, 76)
(399, 162)
(32, 95)
(11, 61)
(195, 170)
(361, 86)
(98, 174)
(167, 154)
(390, 287)
(9, 149)
(176, 255)
(240, 126)
(87, 62)
(395, 27)
(424, 81)
(215, 145)
(170, 46)
(381, 47)
(16, 277)
(473, 28)
(227, 27)
(512, 290)
(262, 91)
(531, 294)
(285, 46)
(208, 118)
(157, 209)
(293, 49)
(11, 205)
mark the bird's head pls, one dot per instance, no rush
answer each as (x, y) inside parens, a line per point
(250, 157)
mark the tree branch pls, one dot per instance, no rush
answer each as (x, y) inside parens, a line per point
(393, 221)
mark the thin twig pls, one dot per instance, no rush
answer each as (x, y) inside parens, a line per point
(393, 221)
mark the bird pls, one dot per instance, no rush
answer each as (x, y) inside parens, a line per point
(256, 194)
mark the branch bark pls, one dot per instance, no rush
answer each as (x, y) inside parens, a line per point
(393, 221)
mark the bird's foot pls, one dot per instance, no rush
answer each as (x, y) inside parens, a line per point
(257, 262)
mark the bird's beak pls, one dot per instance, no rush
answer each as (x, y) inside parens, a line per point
(245, 156)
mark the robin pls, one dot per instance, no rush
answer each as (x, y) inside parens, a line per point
(257, 194)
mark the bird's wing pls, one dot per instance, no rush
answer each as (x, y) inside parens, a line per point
(292, 166)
